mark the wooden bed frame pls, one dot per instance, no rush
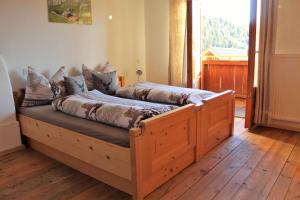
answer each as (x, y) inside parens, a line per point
(160, 149)
(215, 121)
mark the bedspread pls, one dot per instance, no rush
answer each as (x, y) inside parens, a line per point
(154, 92)
(115, 111)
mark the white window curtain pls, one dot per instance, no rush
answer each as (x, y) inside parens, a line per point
(262, 108)
(177, 59)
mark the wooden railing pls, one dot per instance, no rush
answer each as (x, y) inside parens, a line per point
(221, 75)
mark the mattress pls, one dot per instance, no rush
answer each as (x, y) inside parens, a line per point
(114, 135)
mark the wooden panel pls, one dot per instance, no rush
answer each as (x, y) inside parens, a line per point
(169, 144)
(106, 156)
(219, 76)
(170, 170)
(218, 127)
(212, 78)
(161, 139)
(101, 175)
(227, 77)
(218, 114)
(241, 81)
(217, 134)
(166, 146)
(215, 121)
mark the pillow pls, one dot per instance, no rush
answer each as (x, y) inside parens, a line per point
(75, 85)
(106, 82)
(106, 68)
(57, 83)
(87, 74)
(41, 91)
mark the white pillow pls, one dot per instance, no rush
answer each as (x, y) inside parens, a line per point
(40, 90)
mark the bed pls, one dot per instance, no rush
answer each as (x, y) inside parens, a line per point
(215, 121)
(139, 160)
(214, 111)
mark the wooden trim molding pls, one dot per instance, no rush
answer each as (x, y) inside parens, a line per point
(250, 100)
(189, 45)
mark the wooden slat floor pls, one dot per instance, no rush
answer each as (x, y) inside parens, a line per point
(261, 165)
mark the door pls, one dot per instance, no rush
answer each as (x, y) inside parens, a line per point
(250, 100)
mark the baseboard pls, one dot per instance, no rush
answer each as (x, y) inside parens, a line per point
(10, 137)
(284, 124)
(19, 148)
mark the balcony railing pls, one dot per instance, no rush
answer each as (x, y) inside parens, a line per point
(226, 74)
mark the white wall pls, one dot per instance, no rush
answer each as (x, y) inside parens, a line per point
(287, 34)
(27, 38)
(285, 67)
(9, 127)
(126, 33)
(157, 40)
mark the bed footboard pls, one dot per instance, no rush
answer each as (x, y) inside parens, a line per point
(215, 121)
(164, 146)
(102, 160)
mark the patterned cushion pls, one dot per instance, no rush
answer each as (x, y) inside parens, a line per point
(75, 85)
(167, 94)
(106, 82)
(57, 83)
(87, 73)
(106, 68)
(41, 91)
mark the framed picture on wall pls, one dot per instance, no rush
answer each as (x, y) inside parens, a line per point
(70, 11)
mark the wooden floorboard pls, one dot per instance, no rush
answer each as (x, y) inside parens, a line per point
(260, 182)
(283, 185)
(260, 165)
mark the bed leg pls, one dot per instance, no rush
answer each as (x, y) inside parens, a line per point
(135, 147)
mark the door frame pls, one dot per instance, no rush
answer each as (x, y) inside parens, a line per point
(189, 41)
(250, 100)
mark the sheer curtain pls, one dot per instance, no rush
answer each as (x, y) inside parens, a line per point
(262, 108)
(177, 62)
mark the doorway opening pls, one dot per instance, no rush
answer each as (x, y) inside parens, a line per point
(220, 47)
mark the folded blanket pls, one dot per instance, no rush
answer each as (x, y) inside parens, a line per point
(115, 111)
(153, 92)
